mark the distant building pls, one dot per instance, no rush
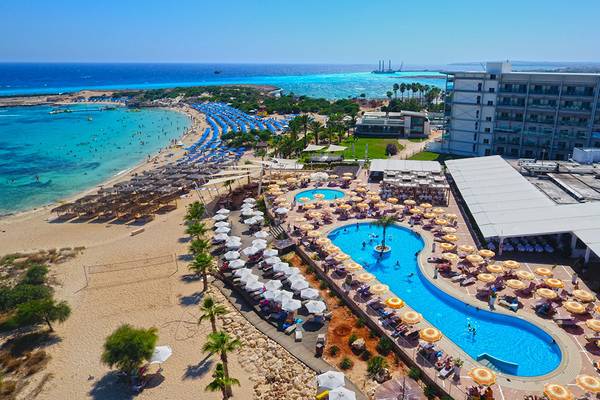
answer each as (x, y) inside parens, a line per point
(403, 124)
(586, 155)
(521, 114)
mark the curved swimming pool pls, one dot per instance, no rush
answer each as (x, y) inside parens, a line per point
(328, 194)
(524, 348)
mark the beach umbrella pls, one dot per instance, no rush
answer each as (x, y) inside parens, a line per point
(259, 241)
(283, 295)
(222, 229)
(447, 246)
(260, 246)
(546, 293)
(554, 283)
(394, 302)
(341, 257)
(590, 384)
(583, 295)
(451, 216)
(430, 335)
(258, 219)
(365, 277)
(231, 255)
(409, 202)
(450, 256)
(331, 380)
(438, 210)
(270, 294)
(219, 217)
(525, 275)
(222, 224)
(313, 234)
(474, 259)
(488, 278)
(593, 324)
(315, 307)
(220, 237)
(495, 268)
(261, 235)
(299, 285)
(392, 200)
(272, 260)
(309, 294)
(574, 307)
(440, 221)
(411, 317)
(248, 212)
(293, 271)
(281, 267)
(161, 354)
(428, 215)
(258, 213)
(236, 238)
(270, 253)
(304, 199)
(416, 210)
(248, 278)
(542, 271)
(322, 241)
(557, 392)
(250, 251)
(353, 266)
(224, 211)
(250, 221)
(341, 393)
(290, 304)
(485, 253)
(483, 376)
(307, 227)
(233, 244)
(249, 200)
(450, 237)
(448, 229)
(511, 264)
(300, 220)
(515, 284)
(242, 272)
(466, 248)
(237, 263)
(253, 286)
(379, 288)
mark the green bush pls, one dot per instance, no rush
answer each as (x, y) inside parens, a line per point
(323, 285)
(376, 364)
(365, 355)
(360, 322)
(334, 351)
(384, 346)
(352, 338)
(35, 275)
(346, 363)
(414, 373)
(22, 293)
(429, 392)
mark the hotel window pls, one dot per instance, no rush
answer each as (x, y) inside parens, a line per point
(490, 103)
(493, 77)
(488, 119)
(486, 141)
(478, 99)
(492, 90)
(487, 130)
(487, 152)
(500, 150)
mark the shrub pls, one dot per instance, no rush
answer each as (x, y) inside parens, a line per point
(346, 363)
(360, 323)
(366, 355)
(334, 351)
(414, 373)
(340, 302)
(22, 293)
(35, 275)
(323, 285)
(372, 334)
(310, 270)
(391, 149)
(376, 364)
(352, 338)
(429, 392)
(384, 346)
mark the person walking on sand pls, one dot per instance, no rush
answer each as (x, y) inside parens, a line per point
(492, 300)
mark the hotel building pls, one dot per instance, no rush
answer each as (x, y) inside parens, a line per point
(403, 124)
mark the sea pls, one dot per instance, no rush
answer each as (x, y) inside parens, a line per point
(48, 157)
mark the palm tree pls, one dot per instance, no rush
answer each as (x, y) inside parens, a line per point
(294, 129)
(220, 382)
(414, 88)
(222, 343)
(402, 89)
(396, 87)
(203, 265)
(384, 222)
(304, 120)
(199, 246)
(195, 212)
(196, 229)
(210, 311)
(316, 127)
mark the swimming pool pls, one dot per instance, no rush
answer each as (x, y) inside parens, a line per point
(503, 337)
(328, 194)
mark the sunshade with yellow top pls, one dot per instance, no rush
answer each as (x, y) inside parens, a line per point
(451, 216)
(300, 220)
(322, 241)
(516, 284)
(583, 295)
(448, 229)
(307, 227)
(554, 283)
(394, 302)
(450, 238)
(380, 205)
(542, 271)
(353, 266)
(450, 256)
(430, 335)
(356, 198)
(360, 190)
(474, 259)
(593, 324)
(332, 249)
(371, 193)
(375, 199)
(485, 253)
(428, 215)
(525, 275)
(416, 210)
(466, 248)
(438, 210)
(440, 221)
(425, 205)
(557, 392)
(447, 246)
(365, 277)
(482, 376)
(495, 269)
(392, 200)
(511, 264)
(574, 307)
(313, 234)
(341, 257)
(303, 199)
(590, 384)
(546, 293)
(411, 317)
(280, 199)
(348, 174)
(315, 214)
(486, 277)
(346, 207)
(409, 202)
(379, 288)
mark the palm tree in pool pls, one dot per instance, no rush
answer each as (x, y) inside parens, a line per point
(210, 311)
(221, 343)
(384, 222)
(395, 88)
(220, 382)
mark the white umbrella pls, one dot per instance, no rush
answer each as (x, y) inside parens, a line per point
(260, 246)
(283, 295)
(161, 354)
(272, 260)
(224, 211)
(281, 267)
(261, 235)
(248, 278)
(309, 294)
(258, 213)
(219, 217)
(232, 255)
(282, 210)
(242, 272)
(249, 200)
(222, 224)
(238, 263)
(220, 237)
(273, 284)
(253, 286)
(236, 238)
(233, 244)
(250, 251)
(315, 307)
(248, 212)
(270, 294)
(251, 221)
(270, 253)
(341, 393)
(295, 278)
(293, 271)
(331, 380)
(258, 219)
(262, 241)
(223, 229)
(299, 285)
(290, 305)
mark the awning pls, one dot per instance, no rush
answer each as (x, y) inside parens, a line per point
(226, 179)
(313, 147)
(332, 148)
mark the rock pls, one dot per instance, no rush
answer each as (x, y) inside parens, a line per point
(358, 345)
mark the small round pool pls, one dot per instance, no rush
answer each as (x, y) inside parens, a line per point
(328, 194)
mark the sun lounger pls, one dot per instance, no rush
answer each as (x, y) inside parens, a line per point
(290, 329)
(468, 281)
(446, 372)
(458, 278)
(298, 335)
(594, 338)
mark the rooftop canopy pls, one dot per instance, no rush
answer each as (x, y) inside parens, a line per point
(505, 204)
(332, 148)
(379, 165)
(313, 147)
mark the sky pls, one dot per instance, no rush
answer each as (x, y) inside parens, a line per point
(298, 31)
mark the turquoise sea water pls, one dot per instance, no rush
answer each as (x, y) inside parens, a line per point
(328, 194)
(44, 158)
(496, 334)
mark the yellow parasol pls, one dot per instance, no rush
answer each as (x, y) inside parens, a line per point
(448, 229)
(313, 234)
(394, 302)
(511, 264)
(307, 227)
(451, 216)
(416, 210)
(380, 205)
(593, 324)
(425, 205)
(309, 206)
(430, 335)
(372, 193)
(392, 200)
(557, 392)
(353, 266)
(375, 199)
(348, 174)
(341, 257)
(438, 210)
(450, 238)
(574, 307)
(280, 199)
(482, 376)
(440, 221)
(590, 384)
(546, 293)
(543, 271)
(447, 246)
(315, 214)
(411, 317)
(360, 190)
(346, 207)
(300, 220)
(515, 284)
(318, 196)
(466, 248)
(322, 241)
(356, 199)
(450, 256)
(474, 259)
(409, 202)
(365, 277)
(379, 288)
(583, 295)
(495, 269)
(554, 283)
(363, 206)
(525, 275)
(303, 199)
(429, 215)
(486, 277)
(332, 249)
(485, 253)
(333, 176)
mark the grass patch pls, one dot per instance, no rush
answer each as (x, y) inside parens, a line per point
(429, 156)
(376, 147)
(417, 140)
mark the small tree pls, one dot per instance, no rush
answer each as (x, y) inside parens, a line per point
(210, 311)
(391, 149)
(42, 311)
(195, 212)
(35, 275)
(203, 265)
(199, 246)
(196, 230)
(220, 382)
(376, 364)
(221, 343)
(128, 348)
(384, 346)
(384, 222)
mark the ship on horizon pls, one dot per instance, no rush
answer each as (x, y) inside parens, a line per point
(381, 68)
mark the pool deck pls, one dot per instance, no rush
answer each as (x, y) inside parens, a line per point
(577, 358)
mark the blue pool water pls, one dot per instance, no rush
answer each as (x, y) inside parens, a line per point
(504, 337)
(329, 194)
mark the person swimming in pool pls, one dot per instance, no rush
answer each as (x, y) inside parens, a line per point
(364, 244)
(397, 265)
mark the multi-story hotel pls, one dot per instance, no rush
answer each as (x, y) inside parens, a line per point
(521, 114)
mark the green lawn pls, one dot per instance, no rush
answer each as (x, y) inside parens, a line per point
(376, 147)
(417, 140)
(429, 156)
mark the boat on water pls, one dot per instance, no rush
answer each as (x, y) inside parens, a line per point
(90, 118)
(217, 72)
(60, 111)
